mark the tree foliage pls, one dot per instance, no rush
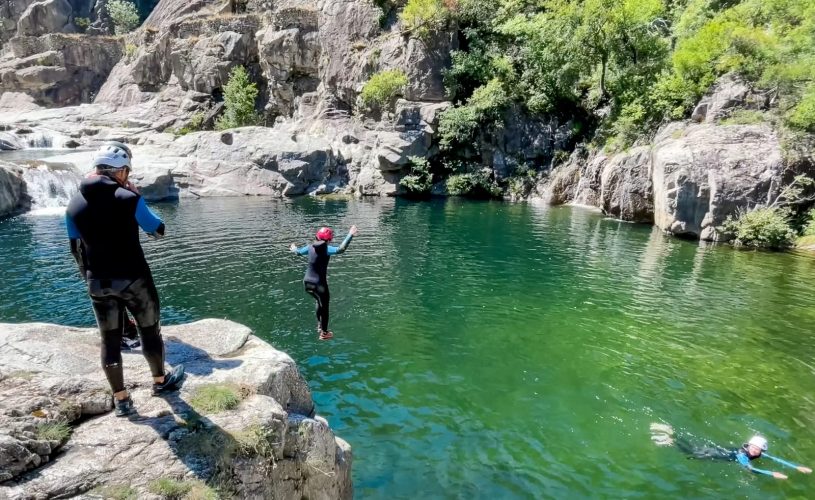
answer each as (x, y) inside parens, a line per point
(631, 64)
(240, 94)
(125, 16)
(424, 17)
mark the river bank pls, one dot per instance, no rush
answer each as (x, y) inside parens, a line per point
(56, 410)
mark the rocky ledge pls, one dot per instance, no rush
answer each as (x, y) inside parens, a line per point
(243, 424)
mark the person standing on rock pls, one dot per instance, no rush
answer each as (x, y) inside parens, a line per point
(103, 222)
(316, 279)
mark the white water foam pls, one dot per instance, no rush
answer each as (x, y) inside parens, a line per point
(50, 189)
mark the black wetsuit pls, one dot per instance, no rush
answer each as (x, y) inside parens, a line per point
(316, 278)
(103, 222)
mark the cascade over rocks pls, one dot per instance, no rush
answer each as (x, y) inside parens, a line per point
(270, 446)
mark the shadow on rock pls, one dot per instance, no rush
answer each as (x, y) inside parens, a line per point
(196, 361)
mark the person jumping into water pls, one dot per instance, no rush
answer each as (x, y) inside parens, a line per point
(315, 280)
(756, 447)
(103, 222)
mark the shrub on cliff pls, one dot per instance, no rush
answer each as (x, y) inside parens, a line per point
(473, 185)
(419, 181)
(240, 94)
(762, 228)
(424, 17)
(383, 87)
(125, 16)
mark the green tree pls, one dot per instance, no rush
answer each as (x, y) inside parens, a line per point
(240, 94)
(125, 16)
(460, 124)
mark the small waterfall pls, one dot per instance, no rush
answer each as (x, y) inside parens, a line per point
(44, 139)
(50, 188)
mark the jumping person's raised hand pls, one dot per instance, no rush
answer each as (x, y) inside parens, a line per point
(353, 231)
(293, 247)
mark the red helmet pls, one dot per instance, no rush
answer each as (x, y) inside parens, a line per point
(325, 234)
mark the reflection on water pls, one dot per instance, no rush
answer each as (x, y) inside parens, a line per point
(486, 350)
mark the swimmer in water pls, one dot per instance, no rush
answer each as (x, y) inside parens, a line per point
(756, 447)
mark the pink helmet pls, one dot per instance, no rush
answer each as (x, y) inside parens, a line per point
(325, 234)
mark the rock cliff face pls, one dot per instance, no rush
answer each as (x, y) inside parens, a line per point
(693, 175)
(13, 198)
(58, 69)
(270, 445)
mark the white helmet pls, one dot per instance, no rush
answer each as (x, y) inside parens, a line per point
(113, 155)
(758, 442)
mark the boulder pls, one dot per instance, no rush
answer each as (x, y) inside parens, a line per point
(9, 142)
(268, 446)
(45, 16)
(59, 69)
(13, 198)
(729, 93)
(626, 191)
(703, 173)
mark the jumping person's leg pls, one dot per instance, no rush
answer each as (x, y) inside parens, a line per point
(322, 297)
(311, 289)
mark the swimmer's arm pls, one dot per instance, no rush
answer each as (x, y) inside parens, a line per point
(344, 245)
(299, 251)
(783, 462)
(742, 459)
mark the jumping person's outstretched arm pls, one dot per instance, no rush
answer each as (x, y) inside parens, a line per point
(299, 251)
(800, 468)
(344, 245)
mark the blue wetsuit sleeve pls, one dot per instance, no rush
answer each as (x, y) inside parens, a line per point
(70, 226)
(302, 250)
(780, 461)
(742, 459)
(343, 246)
(146, 218)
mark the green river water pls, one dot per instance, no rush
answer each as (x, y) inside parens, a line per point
(489, 350)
